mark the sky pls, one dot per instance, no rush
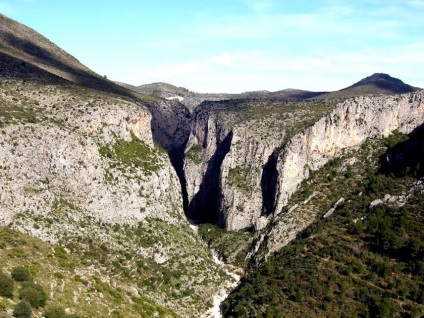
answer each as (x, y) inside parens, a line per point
(233, 46)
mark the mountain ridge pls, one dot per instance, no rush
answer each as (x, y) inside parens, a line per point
(89, 175)
(388, 84)
(113, 177)
(375, 84)
(27, 45)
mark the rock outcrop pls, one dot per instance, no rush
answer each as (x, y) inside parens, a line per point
(224, 159)
(80, 166)
(240, 169)
(64, 156)
(348, 125)
(171, 130)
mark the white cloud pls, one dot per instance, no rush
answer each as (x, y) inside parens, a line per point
(414, 3)
(340, 22)
(253, 70)
(326, 49)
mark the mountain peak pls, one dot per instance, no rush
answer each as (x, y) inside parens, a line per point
(380, 78)
(375, 84)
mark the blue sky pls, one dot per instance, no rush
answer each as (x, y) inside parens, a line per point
(235, 45)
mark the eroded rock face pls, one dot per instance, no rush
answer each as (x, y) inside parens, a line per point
(348, 125)
(170, 124)
(171, 130)
(270, 153)
(79, 166)
(223, 169)
(77, 154)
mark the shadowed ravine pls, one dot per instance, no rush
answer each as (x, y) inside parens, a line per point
(269, 185)
(204, 208)
(177, 160)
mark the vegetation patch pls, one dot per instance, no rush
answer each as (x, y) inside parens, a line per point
(231, 246)
(42, 275)
(11, 114)
(7, 285)
(133, 154)
(237, 177)
(195, 154)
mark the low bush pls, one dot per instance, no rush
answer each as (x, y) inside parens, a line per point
(21, 274)
(6, 285)
(22, 310)
(54, 312)
(34, 294)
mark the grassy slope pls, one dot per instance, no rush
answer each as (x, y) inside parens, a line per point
(339, 268)
(70, 281)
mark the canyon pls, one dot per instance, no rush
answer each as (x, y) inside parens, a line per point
(89, 164)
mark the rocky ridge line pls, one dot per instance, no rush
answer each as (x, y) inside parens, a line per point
(216, 145)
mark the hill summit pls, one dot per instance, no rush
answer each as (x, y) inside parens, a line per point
(381, 81)
(376, 84)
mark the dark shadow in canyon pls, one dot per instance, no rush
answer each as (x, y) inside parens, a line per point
(269, 185)
(176, 155)
(205, 206)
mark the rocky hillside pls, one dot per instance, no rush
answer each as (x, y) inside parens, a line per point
(82, 168)
(245, 159)
(30, 47)
(363, 255)
(107, 177)
(76, 163)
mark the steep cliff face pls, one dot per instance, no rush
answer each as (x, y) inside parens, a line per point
(73, 149)
(80, 168)
(171, 129)
(230, 163)
(220, 169)
(245, 159)
(348, 125)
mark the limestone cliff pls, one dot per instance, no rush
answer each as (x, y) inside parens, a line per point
(63, 155)
(245, 159)
(349, 124)
(81, 166)
(231, 157)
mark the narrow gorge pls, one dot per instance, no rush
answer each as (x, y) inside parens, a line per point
(243, 160)
(102, 183)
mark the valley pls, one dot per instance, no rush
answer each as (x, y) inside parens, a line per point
(155, 201)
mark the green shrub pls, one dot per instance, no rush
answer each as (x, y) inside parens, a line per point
(22, 310)
(21, 274)
(54, 312)
(195, 154)
(237, 177)
(6, 285)
(3, 306)
(384, 308)
(34, 294)
(349, 172)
